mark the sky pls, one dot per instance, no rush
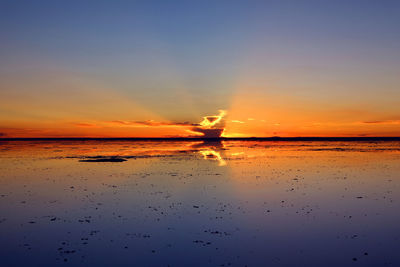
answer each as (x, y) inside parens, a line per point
(158, 68)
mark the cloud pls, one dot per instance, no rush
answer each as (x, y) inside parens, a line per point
(2, 134)
(208, 133)
(382, 122)
(152, 123)
(81, 124)
(213, 121)
(210, 127)
(237, 121)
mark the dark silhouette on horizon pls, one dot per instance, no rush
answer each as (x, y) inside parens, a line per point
(208, 139)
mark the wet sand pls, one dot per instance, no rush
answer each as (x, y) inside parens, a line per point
(195, 203)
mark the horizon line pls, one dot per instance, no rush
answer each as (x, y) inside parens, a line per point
(273, 138)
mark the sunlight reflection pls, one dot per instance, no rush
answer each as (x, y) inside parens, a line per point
(213, 155)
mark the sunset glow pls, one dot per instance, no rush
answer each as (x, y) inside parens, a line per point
(157, 77)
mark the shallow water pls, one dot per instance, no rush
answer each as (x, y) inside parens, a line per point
(230, 203)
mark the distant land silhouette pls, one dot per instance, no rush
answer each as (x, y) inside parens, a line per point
(274, 138)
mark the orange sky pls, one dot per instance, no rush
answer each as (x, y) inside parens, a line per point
(298, 69)
(245, 118)
(89, 109)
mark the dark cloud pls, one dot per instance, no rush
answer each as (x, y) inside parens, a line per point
(382, 122)
(154, 123)
(208, 133)
(210, 127)
(212, 118)
(374, 122)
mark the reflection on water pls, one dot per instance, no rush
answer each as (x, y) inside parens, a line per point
(211, 151)
(200, 203)
(213, 155)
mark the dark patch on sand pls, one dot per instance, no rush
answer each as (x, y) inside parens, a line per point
(103, 159)
(114, 158)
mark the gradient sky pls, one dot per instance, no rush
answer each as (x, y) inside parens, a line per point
(154, 68)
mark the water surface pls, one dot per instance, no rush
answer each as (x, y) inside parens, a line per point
(229, 203)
